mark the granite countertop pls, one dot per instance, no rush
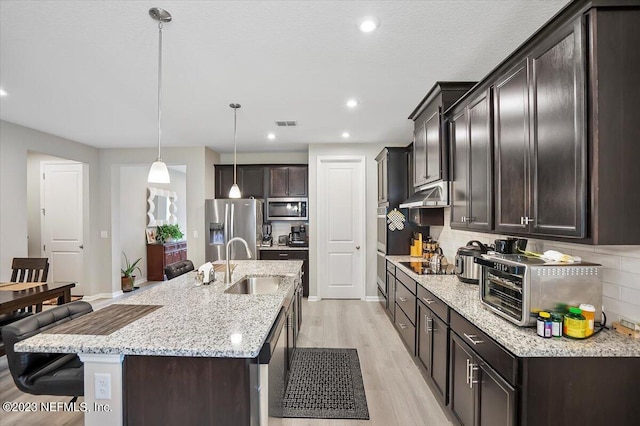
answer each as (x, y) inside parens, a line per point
(521, 341)
(277, 247)
(195, 321)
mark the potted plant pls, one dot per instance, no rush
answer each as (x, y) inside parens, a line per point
(167, 233)
(128, 278)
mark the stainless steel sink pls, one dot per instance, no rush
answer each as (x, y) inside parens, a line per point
(255, 285)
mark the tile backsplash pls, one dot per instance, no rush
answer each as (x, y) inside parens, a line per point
(621, 265)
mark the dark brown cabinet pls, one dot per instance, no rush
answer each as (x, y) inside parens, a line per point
(471, 150)
(432, 348)
(430, 147)
(250, 179)
(540, 144)
(291, 255)
(290, 181)
(383, 180)
(479, 396)
(161, 255)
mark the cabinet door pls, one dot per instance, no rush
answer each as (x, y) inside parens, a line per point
(278, 177)
(424, 336)
(391, 295)
(433, 135)
(558, 144)
(511, 133)
(420, 155)
(383, 184)
(497, 399)
(224, 180)
(297, 181)
(252, 178)
(458, 134)
(480, 160)
(439, 354)
(462, 397)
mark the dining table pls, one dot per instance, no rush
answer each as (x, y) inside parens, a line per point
(15, 296)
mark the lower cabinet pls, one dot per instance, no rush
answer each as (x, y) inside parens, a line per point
(161, 255)
(479, 395)
(432, 348)
(406, 329)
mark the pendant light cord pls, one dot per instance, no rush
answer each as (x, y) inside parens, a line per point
(235, 135)
(159, 87)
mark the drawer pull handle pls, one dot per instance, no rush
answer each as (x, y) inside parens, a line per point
(472, 368)
(283, 255)
(472, 340)
(468, 369)
(402, 299)
(402, 326)
(427, 326)
(429, 301)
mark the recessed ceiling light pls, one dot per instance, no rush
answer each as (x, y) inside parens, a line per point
(345, 135)
(352, 103)
(271, 136)
(369, 24)
(3, 93)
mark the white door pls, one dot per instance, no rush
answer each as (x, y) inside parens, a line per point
(341, 227)
(62, 222)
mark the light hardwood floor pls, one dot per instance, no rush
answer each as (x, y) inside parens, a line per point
(396, 392)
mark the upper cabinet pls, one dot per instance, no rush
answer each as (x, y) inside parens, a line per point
(560, 117)
(540, 140)
(471, 138)
(288, 181)
(250, 179)
(430, 148)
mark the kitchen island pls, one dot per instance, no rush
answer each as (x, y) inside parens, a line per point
(195, 356)
(486, 370)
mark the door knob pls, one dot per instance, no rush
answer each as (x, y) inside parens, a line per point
(81, 246)
(357, 247)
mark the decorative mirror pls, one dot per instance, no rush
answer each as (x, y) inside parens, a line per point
(161, 207)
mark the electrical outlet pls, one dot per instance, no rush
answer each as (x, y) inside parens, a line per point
(102, 385)
(195, 234)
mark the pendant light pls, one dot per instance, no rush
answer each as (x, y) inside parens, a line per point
(158, 173)
(234, 192)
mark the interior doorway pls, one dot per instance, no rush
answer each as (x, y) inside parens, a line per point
(341, 227)
(55, 224)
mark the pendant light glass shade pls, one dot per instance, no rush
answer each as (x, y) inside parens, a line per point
(234, 192)
(158, 173)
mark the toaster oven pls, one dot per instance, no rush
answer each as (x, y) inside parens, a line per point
(517, 287)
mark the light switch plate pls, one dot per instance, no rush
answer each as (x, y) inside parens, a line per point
(104, 234)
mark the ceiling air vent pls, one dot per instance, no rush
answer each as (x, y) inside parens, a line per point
(286, 123)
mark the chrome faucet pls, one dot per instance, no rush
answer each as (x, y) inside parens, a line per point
(227, 270)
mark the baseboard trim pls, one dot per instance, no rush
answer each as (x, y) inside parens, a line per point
(373, 299)
(102, 296)
(314, 299)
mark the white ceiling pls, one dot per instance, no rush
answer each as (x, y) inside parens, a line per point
(87, 70)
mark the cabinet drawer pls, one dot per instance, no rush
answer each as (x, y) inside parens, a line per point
(436, 305)
(498, 358)
(406, 330)
(407, 281)
(391, 268)
(284, 254)
(407, 302)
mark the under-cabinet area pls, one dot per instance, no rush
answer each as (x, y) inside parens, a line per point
(487, 371)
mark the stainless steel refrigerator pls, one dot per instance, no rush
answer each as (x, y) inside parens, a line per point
(230, 218)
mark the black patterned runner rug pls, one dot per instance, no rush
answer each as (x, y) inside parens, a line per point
(325, 384)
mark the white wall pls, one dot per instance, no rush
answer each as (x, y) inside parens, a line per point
(102, 265)
(621, 275)
(371, 200)
(265, 158)
(133, 210)
(15, 142)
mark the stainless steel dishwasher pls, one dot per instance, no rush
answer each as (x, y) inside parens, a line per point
(273, 372)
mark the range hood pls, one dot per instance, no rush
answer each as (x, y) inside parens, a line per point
(431, 195)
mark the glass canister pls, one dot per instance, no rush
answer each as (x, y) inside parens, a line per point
(575, 324)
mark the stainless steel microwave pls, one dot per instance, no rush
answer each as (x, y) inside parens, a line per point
(288, 209)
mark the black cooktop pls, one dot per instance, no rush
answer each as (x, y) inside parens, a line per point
(423, 268)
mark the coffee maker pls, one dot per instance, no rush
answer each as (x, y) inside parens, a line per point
(298, 236)
(267, 239)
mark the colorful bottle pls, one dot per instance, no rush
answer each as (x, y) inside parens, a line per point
(575, 325)
(589, 313)
(556, 325)
(544, 324)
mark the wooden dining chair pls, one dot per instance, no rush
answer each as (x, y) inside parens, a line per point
(30, 270)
